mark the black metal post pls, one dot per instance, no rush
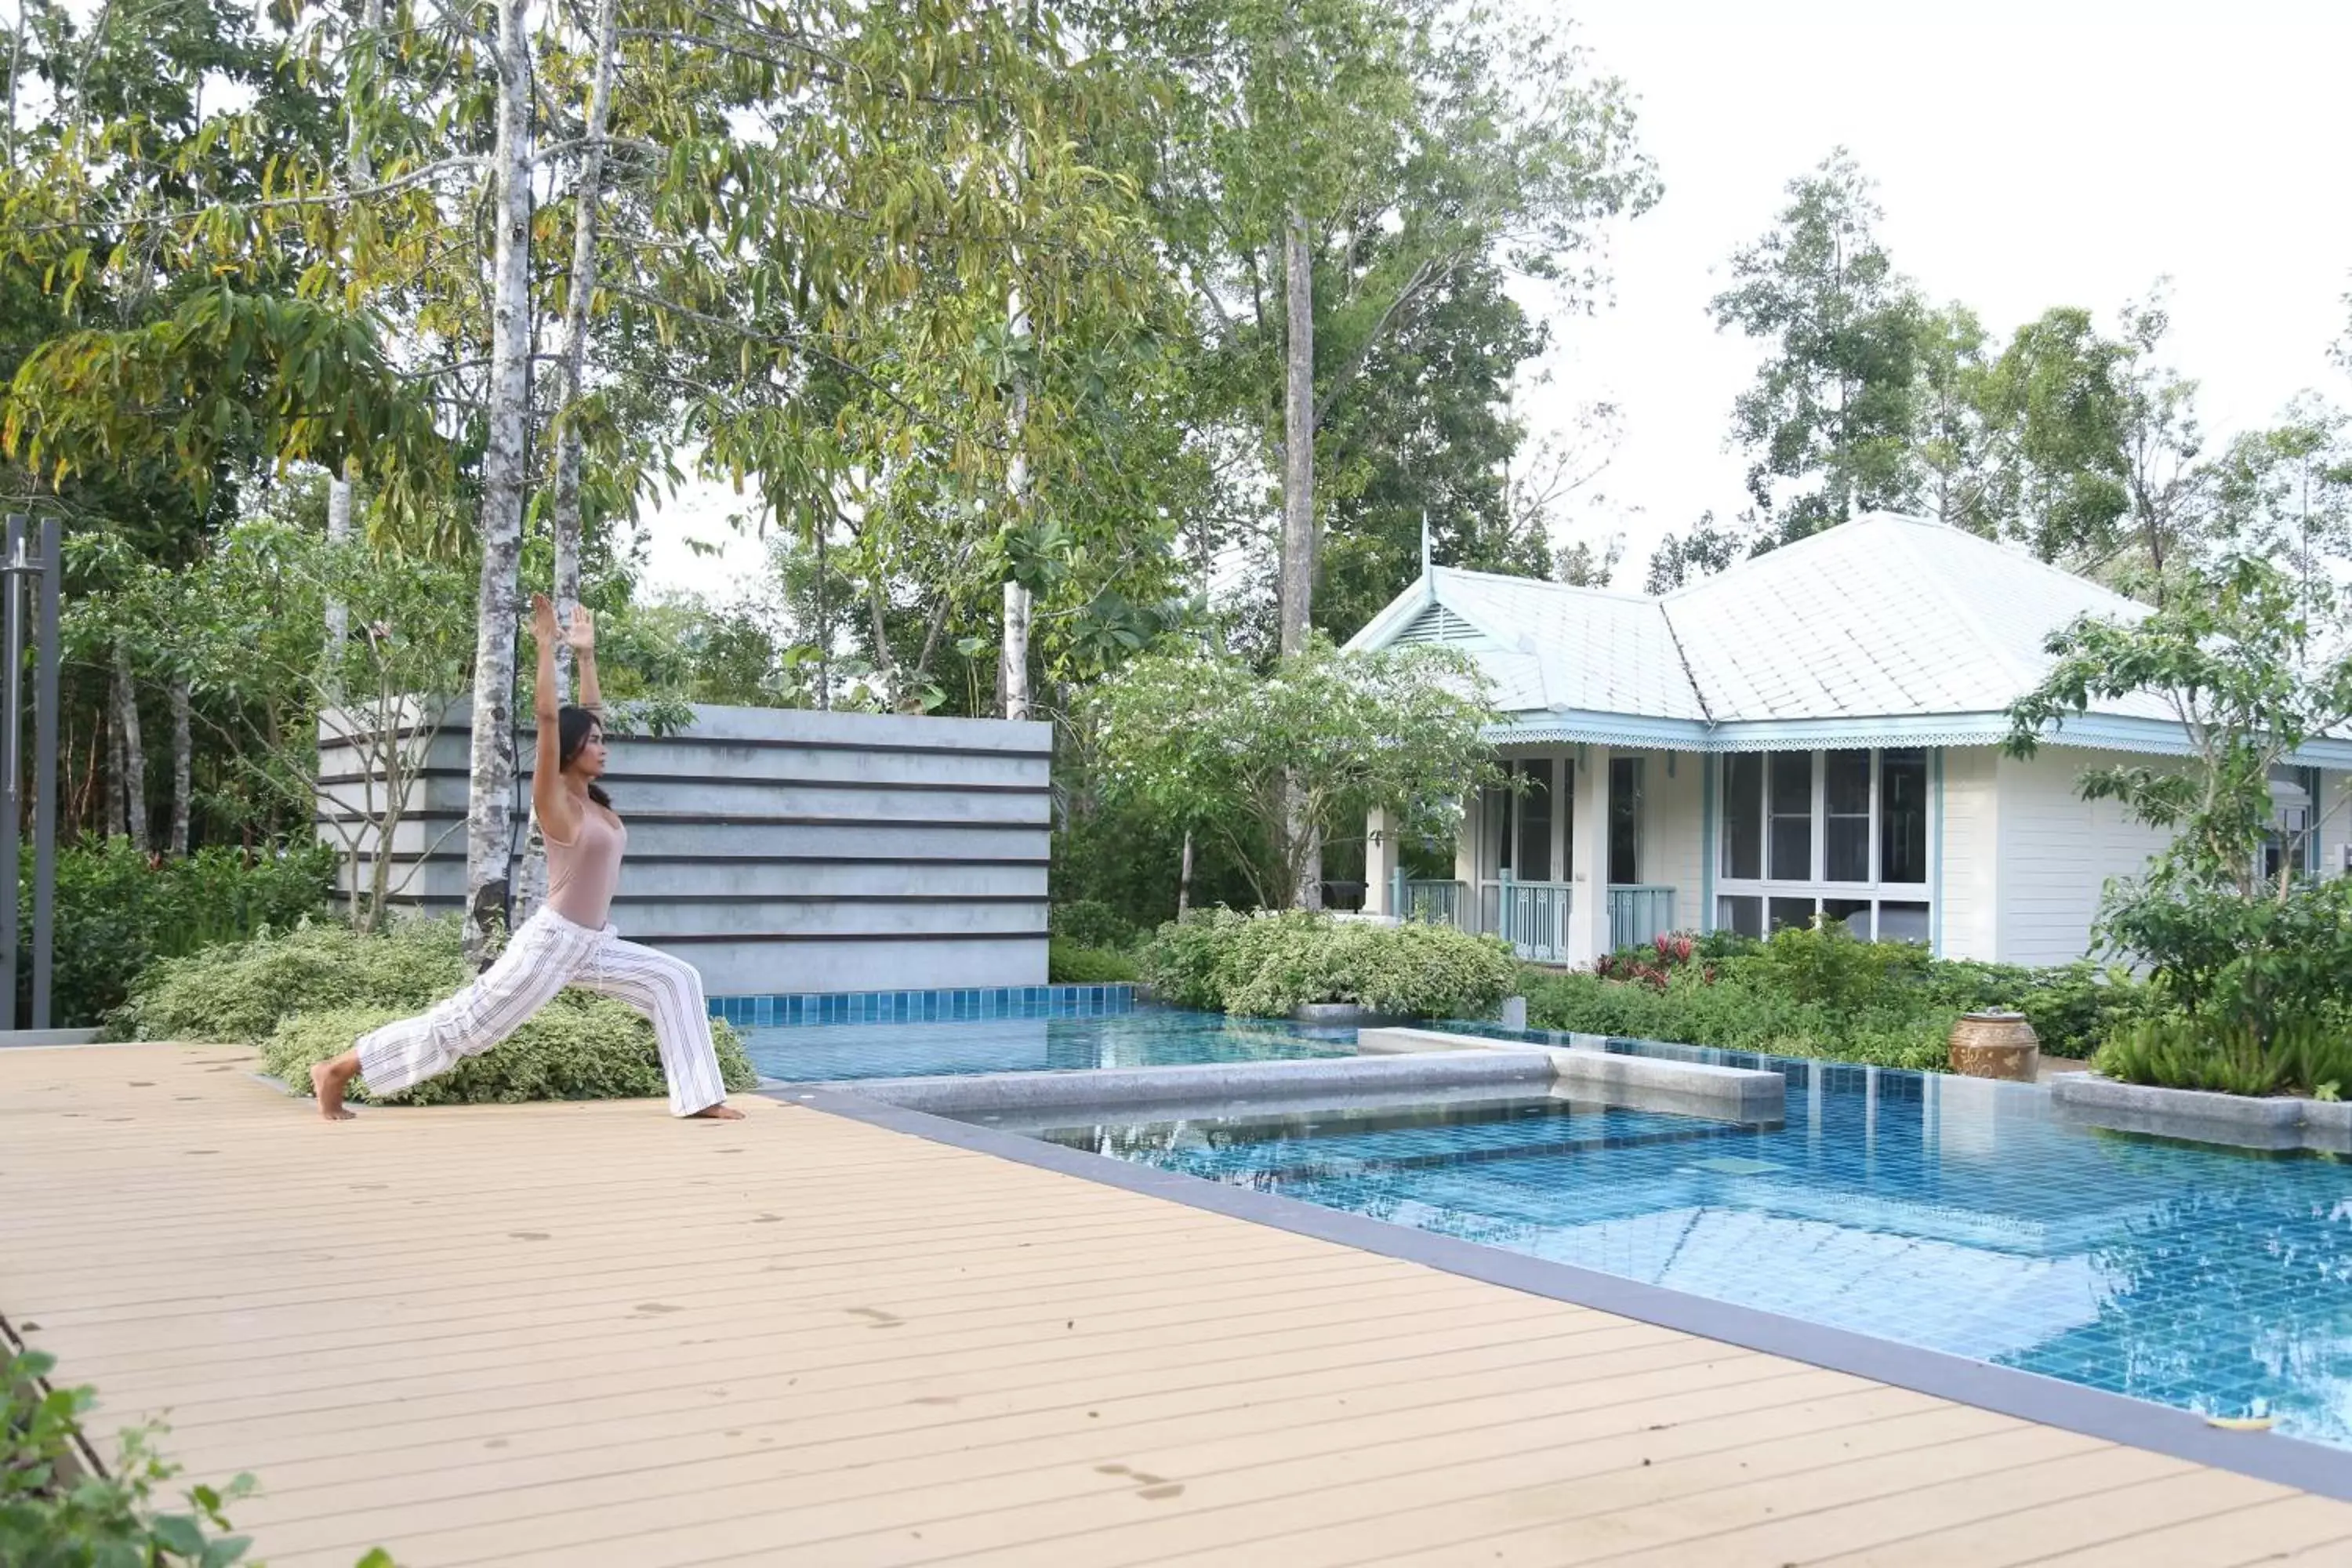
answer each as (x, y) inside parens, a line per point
(12, 729)
(45, 768)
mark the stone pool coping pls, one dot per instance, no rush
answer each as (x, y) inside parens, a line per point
(2029, 1396)
(1127, 1087)
(1747, 1095)
(2272, 1123)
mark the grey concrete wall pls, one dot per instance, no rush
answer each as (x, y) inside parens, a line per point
(785, 851)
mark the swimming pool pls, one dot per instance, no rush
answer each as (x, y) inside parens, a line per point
(1151, 1036)
(1954, 1213)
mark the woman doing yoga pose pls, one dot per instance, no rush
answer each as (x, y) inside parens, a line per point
(567, 942)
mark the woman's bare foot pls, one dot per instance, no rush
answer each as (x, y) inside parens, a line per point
(328, 1081)
(723, 1112)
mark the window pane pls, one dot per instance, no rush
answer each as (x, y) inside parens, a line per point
(1741, 913)
(1624, 819)
(1845, 780)
(1743, 817)
(1902, 922)
(1903, 817)
(1845, 826)
(1792, 816)
(1796, 912)
(1494, 832)
(1853, 912)
(1534, 862)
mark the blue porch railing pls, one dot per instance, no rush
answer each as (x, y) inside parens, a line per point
(1533, 918)
(1429, 902)
(1639, 914)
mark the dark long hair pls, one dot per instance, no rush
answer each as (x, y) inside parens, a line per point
(572, 727)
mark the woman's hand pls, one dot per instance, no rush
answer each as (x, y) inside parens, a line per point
(581, 633)
(542, 620)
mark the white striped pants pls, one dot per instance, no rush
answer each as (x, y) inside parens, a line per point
(545, 955)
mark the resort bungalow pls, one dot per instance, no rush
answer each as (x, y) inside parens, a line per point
(1815, 731)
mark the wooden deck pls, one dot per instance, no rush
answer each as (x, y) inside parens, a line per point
(580, 1335)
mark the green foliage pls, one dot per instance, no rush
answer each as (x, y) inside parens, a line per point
(2248, 660)
(1268, 966)
(119, 911)
(2246, 656)
(576, 1047)
(1821, 992)
(2182, 1052)
(1825, 963)
(1833, 403)
(1072, 962)
(2262, 964)
(1207, 741)
(241, 993)
(1739, 1010)
(55, 1513)
(1089, 922)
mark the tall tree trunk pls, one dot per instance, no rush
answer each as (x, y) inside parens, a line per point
(1013, 671)
(489, 816)
(133, 775)
(1297, 582)
(183, 749)
(116, 824)
(360, 166)
(1298, 514)
(1184, 877)
(588, 194)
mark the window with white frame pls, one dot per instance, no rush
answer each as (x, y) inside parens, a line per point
(1841, 833)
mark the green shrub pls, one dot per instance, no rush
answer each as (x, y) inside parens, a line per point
(1270, 964)
(117, 911)
(1742, 1010)
(576, 1047)
(1088, 922)
(1826, 962)
(239, 992)
(2183, 1050)
(1070, 962)
(54, 1515)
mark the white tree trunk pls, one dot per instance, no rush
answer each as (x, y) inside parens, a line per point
(588, 194)
(183, 749)
(132, 778)
(338, 531)
(1297, 585)
(1184, 877)
(1013, 670)
(490, 816)
(359, 165)
(1297, 582)
(117, 825)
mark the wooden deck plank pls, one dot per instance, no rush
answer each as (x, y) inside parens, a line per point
(587, 1334)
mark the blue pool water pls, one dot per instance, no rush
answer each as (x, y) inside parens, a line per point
(1954, 1213)
(1152, 1037)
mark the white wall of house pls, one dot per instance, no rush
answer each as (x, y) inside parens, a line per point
(2054, 853)
(1674, 831)
(1970, 923)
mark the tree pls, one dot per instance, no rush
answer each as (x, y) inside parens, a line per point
(2285, 493)
(1829, 423)
(1957, 435)
(2057, 408)
(1210, 744)
(1334, 172)
(2253, 665)
(1681, 560)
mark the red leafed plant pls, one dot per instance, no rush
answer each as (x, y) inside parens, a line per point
(1654, 967)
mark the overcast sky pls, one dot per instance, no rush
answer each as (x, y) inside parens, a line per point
(2028, 153)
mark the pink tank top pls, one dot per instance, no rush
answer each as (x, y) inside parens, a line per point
(583, 875)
